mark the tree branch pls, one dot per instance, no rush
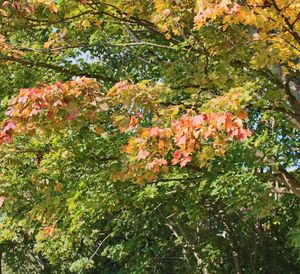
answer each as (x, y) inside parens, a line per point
(57, 68)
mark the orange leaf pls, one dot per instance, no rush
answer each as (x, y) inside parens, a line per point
(53, 7)
(99, 130)
(242, 115)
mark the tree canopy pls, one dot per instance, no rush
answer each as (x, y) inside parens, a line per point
(149, 136)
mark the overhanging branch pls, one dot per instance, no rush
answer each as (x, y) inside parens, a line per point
(57, 68)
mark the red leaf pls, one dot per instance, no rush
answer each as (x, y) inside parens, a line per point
(176, 156)
(5, 138)
(223, 120)
(72, 116)
(185, 160)
(9, 126)
(243, 134)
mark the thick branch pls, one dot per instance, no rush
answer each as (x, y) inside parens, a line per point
(59, 69)
(290, 181)
(281, 173)
(187, 245)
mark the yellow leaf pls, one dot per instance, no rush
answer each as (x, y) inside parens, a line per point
(86, 23)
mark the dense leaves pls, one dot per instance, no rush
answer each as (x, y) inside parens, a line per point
(149, 136)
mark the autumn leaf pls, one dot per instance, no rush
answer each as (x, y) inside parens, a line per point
(133, 121)
(180, 140)
(58, 187)
(242, 115)
(154, 132)
(53, 7)
(185, 160)
(104, 107)
(99, 130)
(9, 126)
(142, 154)
(48, 231)
(2, 199)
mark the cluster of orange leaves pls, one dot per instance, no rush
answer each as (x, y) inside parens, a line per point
(155, 148)
(30, 6)
(51, 107)
(263, 14)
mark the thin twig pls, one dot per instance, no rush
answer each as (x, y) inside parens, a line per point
(100, 244)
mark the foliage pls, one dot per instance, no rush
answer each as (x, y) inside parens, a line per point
(149, 136)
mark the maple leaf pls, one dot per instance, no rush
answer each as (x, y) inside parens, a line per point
(121, 85)
(9, 111)
(143, 154)
(176, 156)
(34, 112)
(53, 7)
(22, 99)
(161, 145)
(242, 115)
(185, 160)
(9, 126)
(180, 140)
(221, 120)
(48, 230)
(199, 119)
(154, 132)
(5, 138)
(72, 116)
(99, 130)
(57, 103)
(133, 121)
(243, 134)
(232, 132)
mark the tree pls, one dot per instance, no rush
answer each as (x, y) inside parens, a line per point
(167, 127)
